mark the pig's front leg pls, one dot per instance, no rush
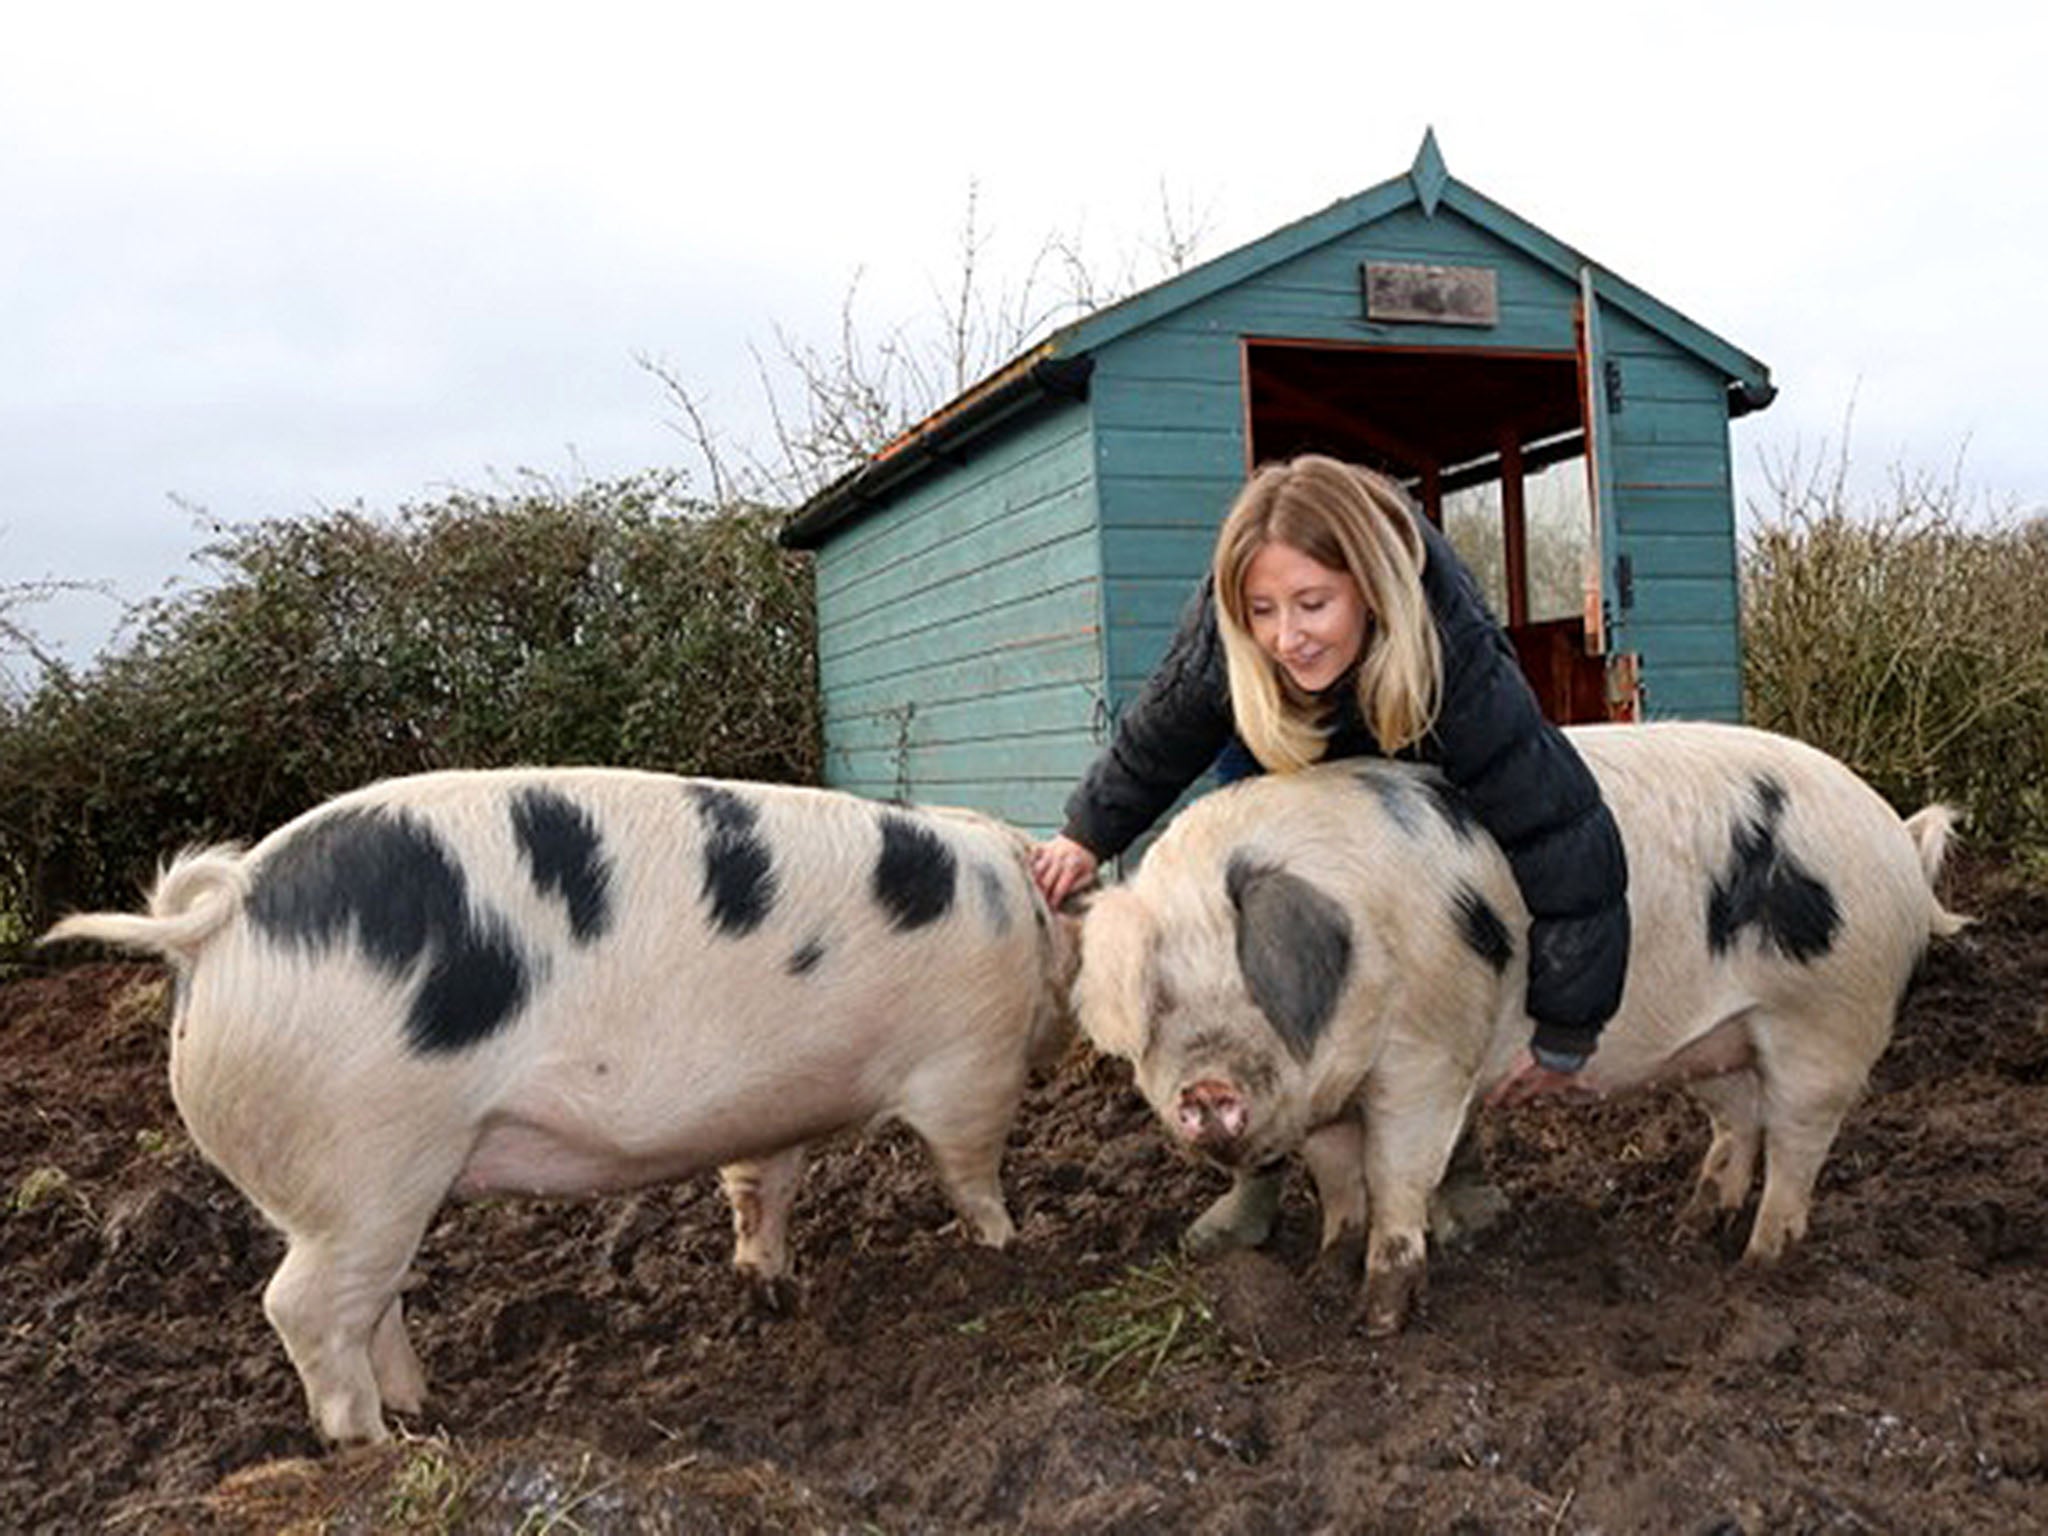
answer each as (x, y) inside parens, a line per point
(1414, 1116)
(964, 1118)
(761, 1192)
(1460, 1208)
(1335, 1154)
(1242, 1217)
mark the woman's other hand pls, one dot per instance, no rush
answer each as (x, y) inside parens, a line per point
(1061, 867)
(1530, 1079)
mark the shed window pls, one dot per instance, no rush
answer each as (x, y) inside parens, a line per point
(1556, 514)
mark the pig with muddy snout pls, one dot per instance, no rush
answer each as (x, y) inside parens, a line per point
(556, 981)
(1333, 961)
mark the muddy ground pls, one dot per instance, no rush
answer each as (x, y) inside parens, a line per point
(595, 1367)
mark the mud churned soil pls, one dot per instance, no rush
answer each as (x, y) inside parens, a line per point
(596, 1367)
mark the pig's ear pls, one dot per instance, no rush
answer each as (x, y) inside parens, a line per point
(1294, 948)
(1109, 993)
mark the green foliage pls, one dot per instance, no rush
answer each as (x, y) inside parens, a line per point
(617, 622)
(1910, 640)
(1156, 1317)
(41, 1186)
(429, 1488)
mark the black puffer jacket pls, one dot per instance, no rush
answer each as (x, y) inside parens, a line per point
(1521, 777)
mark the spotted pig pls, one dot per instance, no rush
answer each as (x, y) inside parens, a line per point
(556, 981)
(1334, 961)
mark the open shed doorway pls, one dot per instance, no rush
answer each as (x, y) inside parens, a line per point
(1492, 445)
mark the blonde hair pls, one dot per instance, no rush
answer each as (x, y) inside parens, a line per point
(1351, 520)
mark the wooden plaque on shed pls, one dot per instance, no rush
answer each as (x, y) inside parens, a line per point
(1411, 291)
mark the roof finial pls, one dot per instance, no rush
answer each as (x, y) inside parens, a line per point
(1427, 175)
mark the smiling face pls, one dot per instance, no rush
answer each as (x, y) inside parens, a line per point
(1308, 618)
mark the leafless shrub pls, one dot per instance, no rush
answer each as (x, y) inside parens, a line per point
(1909, 637)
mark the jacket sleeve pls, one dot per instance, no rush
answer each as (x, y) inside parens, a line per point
(1163, 741)
(1531, 790)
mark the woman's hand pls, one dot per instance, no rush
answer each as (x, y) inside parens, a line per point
(1061, 867)
(1530, 1079)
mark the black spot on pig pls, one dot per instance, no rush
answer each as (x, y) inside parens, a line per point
(566, 858)
(381, 879)
(739, 871)
(993, 897)
(915, 875)
(1451, 807)
(1293, 946)
(1397, 795)
(1483, 931)
(1763, 887)
(805, 960)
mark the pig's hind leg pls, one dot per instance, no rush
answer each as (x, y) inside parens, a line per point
(1728, 1172)
(1813, 1069)
(401, 1379)
(352, 1229)
(1467, 1202)
(334, 1303)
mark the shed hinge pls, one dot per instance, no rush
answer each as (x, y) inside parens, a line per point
(1610, 371)
(1624, 582)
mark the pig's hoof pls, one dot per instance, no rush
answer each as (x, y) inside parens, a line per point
(1763, 1254)
(1341, 1261)
(1390, 1296)
(1241, 1218)
(1205, 1239)
(1460, 1211)
(767, 1296)
(1707, 1222)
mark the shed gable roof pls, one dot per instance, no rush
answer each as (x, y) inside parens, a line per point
(1428, 185)
(1058, 366)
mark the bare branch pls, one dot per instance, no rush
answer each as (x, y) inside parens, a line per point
(693, 426)
(831, 408)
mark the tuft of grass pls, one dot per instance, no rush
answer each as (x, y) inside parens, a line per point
(1124, 1336)
(159, 1145)
(40, 1186)
(429, 1490)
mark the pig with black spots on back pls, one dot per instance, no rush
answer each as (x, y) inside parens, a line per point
(1333, 961)
(556, 981)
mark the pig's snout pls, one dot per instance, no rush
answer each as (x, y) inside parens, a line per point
(1211, 1113)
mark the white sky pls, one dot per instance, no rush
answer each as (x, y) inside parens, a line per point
(265, 259)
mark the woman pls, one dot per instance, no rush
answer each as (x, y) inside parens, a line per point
(1336, 623)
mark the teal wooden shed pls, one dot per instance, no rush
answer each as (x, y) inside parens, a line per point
(994, 584)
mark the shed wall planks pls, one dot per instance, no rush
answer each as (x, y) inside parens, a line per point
(966, 612)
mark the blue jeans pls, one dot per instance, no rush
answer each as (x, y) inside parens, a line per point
(1235, 762)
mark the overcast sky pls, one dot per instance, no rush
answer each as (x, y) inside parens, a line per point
(266, 259)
